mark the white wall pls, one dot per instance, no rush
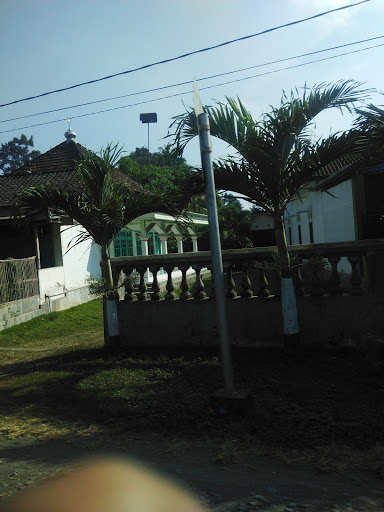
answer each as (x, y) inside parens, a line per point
(331, 214)
(52, 281)
(65, 286)
(81, 261)
(338, 213)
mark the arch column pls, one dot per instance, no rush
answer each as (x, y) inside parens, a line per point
(194, 243)
(144, 244)
(164, 244)
(179, 240)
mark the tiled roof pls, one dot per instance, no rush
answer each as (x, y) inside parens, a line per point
(59, 158)
(347, 161)
(14, 183)
(338, 171)
(56, 166)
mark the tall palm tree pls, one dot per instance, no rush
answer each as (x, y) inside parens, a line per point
(274, 157)
(104, 202)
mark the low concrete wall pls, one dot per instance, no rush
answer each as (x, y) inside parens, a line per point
(255, 321)
(19, 311)
(69, 299)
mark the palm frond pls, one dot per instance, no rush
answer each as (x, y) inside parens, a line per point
(275, 155)
(370, 125)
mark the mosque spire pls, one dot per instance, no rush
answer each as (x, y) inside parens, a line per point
(70, 134)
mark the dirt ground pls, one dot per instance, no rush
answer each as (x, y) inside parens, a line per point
(324, 402)
(252, 483)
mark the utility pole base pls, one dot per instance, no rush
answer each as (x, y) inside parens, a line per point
(292, 343)
(239, 402)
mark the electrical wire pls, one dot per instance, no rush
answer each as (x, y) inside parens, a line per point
(189, 92)
(220, 45)
(190, 81)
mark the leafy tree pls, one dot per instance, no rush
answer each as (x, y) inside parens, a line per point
(234, 224)
(165, 171)
(103, 204)
(16, 153)
(162, 157)
(274, 157)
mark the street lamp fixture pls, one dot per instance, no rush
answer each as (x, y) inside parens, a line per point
(148, 118)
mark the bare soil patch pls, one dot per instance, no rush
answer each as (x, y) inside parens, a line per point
(252, 483)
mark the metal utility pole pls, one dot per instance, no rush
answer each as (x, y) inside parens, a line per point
(214, 234)
(147, 119)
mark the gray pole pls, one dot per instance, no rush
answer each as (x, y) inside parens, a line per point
(217, 264)
(149, 161)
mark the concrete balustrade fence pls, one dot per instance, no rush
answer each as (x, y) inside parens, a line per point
(339, 288)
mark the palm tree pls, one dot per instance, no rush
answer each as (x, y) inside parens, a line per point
(370, 125)
(103, 204)
(274, 158)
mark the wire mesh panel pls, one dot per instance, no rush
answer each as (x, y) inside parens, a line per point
(18, 279)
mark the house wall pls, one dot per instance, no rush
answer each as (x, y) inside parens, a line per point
(331, 214)
(66, 285)
(81, 261)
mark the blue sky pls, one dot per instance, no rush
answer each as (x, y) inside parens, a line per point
(48, 44)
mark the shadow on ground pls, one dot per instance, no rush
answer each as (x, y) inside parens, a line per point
(318, 399)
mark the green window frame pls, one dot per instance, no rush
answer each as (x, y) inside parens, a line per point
(138, 244)
(123, 244)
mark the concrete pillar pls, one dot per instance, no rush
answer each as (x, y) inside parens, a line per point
(134, 246)
(164, 244)
(179, 240)
(305, 227)
(194, 243)
(144, 245)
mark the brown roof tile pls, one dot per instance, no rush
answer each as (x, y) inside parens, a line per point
(55, 166)
(59, 158)
(338, 171)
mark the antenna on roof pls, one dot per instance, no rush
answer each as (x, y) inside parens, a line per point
(70, 134)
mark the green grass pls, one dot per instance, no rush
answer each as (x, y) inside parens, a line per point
(298, 406)
(58, 328)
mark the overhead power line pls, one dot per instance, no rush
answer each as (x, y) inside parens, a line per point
(190, 81)
(220, 45)
(201, 89)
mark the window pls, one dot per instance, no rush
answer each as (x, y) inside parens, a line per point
(50, 245)
(299, 230)
(290, 235)
(123, 244)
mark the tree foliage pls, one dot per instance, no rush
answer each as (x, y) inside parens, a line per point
(234, 224)
(163, 157)
(370, 126)
(276, 154)
(158, 172)
(16, 152)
